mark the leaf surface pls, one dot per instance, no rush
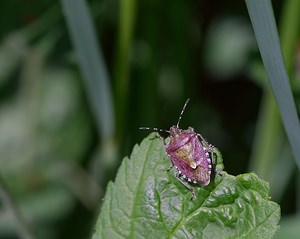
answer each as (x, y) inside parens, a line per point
(146, 201)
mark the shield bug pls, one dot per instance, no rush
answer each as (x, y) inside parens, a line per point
(189, 152)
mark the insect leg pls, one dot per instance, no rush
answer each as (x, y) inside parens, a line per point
(207, 145)
(186, 185)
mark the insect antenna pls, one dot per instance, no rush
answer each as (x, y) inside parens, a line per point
(183, 109)
(154, 129)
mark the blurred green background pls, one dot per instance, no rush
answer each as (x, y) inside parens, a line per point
(70, 109)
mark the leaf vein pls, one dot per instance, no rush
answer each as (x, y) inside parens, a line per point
(189, 216)
(139, 185)
(110, 216)
(262, 222)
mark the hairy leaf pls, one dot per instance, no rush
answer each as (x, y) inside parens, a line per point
(146, 201)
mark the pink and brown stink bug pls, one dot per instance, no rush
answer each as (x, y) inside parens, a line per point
(190, 153)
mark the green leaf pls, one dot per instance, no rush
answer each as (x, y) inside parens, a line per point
(146, 201)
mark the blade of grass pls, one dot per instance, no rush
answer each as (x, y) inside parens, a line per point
(91, 63)
(289, 32)
(269, 130)
(262, 18)
(266, 136)
(121, 78)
